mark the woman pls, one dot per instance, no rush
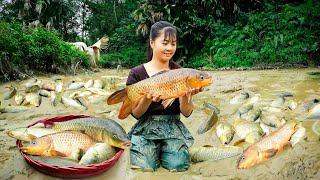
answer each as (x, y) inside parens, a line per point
(159, 137)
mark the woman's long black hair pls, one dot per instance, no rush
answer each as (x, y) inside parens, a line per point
(170, 32)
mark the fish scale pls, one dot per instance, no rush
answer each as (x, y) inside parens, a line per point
(199, 154)
(267, 147)
(104, 130)
(65, 144)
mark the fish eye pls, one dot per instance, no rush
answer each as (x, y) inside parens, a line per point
(33, 142)
(242, 158)
(201, 77)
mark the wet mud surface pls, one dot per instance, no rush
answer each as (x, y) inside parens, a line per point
(299, 162)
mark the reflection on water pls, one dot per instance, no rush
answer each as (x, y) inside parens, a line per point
(304, 84)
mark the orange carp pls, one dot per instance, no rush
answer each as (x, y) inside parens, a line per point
(67, 144)
(169, 85)
(268, 146)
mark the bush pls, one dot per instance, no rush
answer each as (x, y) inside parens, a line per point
(127, 57)
(36, 49)
(285, 34)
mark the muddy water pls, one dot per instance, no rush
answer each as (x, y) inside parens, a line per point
(300, 162)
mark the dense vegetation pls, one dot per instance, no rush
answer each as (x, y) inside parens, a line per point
(212, 34)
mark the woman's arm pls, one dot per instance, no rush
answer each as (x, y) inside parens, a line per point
(144, 104)
(186, 105)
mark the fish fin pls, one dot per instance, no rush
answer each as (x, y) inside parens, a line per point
(118, 96)
(207, 145)
(53, 152)
(125, 109)
(237, 143)
(189, 96)
(270, 153)
(166, 103)
(31, 137)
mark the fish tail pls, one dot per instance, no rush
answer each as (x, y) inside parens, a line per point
(118, 96)
(125, 109)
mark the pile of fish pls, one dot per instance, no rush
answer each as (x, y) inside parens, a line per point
(262, 125)
(79, 141)
(77, 94)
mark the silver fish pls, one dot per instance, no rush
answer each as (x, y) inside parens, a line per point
(19, 98)
(314, 113)
(75, 85)
(278, 102)
(239, 98)
(225, 133)
(207, 124)
(13, 109)
(10, 93)
(97, 154)
(298, 135)
(89, 83)
(71, 103)
(97, 84)
(206, 153)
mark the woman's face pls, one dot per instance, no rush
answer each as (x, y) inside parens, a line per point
(163, 48)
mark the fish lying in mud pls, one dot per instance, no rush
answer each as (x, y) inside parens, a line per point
(68, 144)
(33, 99)
(245, 108)
(225, 133)
(19, 98)
(28, 134)
(169, 85)
(292, 105)
(97, 153)
(278, 102)
(97, 84)
(316, 127)
(239, 98)
(249, 131)
(75, 85)
(71, 102)
(206, 153)
(207, 124)
(14, 109)
(267, 147)
(10, 93)
(272, 120)
(314, 113)
(104, 130)
(252, 115)
(33, 82)
(298, 135)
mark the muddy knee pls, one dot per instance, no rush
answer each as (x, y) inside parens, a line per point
(175, 161)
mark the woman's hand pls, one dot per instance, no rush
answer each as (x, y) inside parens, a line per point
(196, 90)
(186, 105)
(153, 96)
(144, 103)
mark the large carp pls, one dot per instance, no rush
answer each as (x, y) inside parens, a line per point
(267, 147)
(169, 85)
(104, 130)
(63, 144)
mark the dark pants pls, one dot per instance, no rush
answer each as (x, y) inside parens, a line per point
(148, 154)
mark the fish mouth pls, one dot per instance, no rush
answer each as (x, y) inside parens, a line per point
(24, 149)
(126, 145)
(207, 81)
(9, 134)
